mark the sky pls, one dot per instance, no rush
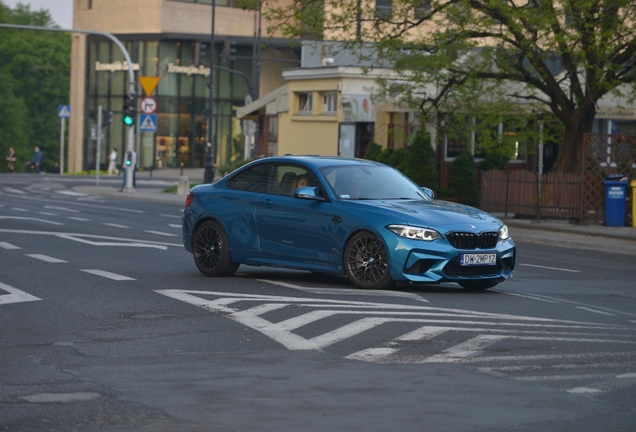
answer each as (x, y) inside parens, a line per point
(61, 10)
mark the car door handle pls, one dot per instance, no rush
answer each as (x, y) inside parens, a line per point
(267, 202)
(336, 219)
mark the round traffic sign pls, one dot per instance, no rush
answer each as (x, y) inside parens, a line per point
(148, 105)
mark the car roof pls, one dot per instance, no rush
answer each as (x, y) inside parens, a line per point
(320, 161)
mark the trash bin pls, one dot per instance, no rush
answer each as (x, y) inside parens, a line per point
(633, 184)
(615, 195)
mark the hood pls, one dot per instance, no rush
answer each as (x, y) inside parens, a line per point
(432, 214)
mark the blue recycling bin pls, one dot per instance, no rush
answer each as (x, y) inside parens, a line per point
(615, 195)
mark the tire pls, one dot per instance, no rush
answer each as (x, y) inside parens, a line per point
(366, 262)
(211, 250)
(479, 285)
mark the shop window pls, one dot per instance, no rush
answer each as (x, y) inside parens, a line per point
(305, 103)
(330, 103)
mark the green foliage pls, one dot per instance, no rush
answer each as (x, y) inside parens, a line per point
(373, 151)
(463, 179)
(385, 156)
(420, 164)
(34, 80)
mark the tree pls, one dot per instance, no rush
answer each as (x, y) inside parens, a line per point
(36, 68)
(463, 179)
(420, 163)
(372, 151)
(520, 57)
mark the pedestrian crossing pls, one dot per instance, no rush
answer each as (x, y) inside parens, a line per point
(493, 343)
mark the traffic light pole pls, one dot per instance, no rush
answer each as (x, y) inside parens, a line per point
(98, 156)
(131, 86)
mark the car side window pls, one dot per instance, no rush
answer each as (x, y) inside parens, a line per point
(254, 179)
(287, 178)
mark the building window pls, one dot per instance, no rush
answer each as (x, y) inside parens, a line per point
(305, 103)
(330, 103)
(383, 9)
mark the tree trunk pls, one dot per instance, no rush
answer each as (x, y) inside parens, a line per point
(571, 149)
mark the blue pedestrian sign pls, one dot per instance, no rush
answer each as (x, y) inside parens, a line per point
(148, 123)
(64, 111)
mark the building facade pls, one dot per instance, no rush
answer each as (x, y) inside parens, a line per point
(170, 39)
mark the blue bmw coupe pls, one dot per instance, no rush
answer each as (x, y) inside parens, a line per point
(342, 216)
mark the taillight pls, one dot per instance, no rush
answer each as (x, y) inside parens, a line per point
(189, 199)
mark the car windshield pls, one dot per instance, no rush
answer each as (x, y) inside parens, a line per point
(370, 182)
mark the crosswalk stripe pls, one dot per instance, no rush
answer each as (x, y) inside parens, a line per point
(109, 275)
(115, 225)
(162, 233)
(471, 348)
(420, 334)
(46, 258)
(8, 246)
(15, 295)
(345, 332)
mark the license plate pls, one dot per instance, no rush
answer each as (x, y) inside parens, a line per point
(478, 259)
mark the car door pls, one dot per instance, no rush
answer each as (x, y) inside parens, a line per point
(291, 228)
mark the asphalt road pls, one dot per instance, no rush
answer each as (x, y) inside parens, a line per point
(105, 324)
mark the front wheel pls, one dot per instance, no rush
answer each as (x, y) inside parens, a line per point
(478, 285)
(366, 262)
(211, 250)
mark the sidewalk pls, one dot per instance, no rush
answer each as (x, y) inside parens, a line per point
(620, 240)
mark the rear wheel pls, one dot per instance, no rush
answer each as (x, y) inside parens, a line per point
(478, 285)
(211, 250)
(366, 262)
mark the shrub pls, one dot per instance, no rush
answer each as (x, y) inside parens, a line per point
(463, 179)
(385, 156)
(373, 151)
(494, 160)
(419, 162)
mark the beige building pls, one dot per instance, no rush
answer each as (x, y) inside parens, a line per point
(169, 39)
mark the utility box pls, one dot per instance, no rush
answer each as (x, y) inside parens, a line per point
(184, 186)
(615, 196)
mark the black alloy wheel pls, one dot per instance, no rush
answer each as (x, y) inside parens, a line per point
(366, 262)
(211, 250)
(479, 285)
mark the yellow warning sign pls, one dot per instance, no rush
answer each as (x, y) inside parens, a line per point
(149, 83)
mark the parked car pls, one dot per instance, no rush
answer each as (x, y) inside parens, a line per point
(349, 216)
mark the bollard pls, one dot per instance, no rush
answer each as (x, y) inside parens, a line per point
(184, 186)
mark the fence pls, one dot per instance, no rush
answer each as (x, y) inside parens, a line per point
(516, 193)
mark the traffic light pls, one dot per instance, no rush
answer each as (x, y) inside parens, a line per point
(108, 118)
(128, 160)
(129, 110)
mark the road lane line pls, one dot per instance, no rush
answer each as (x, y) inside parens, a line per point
(31, 218)
(162, 233)
(115, 225)
(80, 238)
(174, 225)
(81, 219)
(8, 246)
(20, 209)
(71, 193)
(61, 208)
(528, 296)
(109, 275)
(15, 295)
(46, 258)
(16, 191)
(595, 311)
(48, 214)
(583, 390)
(540, 378)
(551, 268)
(170, 216)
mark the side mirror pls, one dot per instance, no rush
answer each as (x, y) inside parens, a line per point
(428, 191)
(312, 193)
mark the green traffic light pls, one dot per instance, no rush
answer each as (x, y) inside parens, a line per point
(128, 120)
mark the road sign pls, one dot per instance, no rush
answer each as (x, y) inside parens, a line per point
(148, 123)
(64, 111)
(148, 105)
(149, 83)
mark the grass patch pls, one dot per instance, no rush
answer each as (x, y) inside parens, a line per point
(173, 189)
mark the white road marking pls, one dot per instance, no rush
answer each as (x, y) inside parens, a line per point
(71, 193)
(471, 348)
(60, 397)
(170, 216)
(528, 296)
(551, 268)
(161, 233)
(46, 258)
(15, 191)
(81, 219)
(19, 209)
(130, 244)
(79, 237)
(31, 218)
(115, 225)
(8, 246)
(174, 225)
(583, 390)
(1, 205)
(48, 214)
(15, 295)
(374, 354)
(562, 366)
(109, 275)
(346, 291)
(541, 378)
(595, 311)
(61, 208)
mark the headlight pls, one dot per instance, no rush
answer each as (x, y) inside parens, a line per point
(503, 232)
(415, 233)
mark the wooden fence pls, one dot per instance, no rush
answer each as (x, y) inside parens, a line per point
(516, 193)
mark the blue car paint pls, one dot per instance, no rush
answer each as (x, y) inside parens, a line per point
(310, 238)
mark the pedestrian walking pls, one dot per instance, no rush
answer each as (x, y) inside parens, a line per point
(112, 165)
(133, 165)
(36, 160)
(11, 160)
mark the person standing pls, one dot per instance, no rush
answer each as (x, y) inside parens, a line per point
(11, 160)
(112, 165)
(133, 164)
(36, 160)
